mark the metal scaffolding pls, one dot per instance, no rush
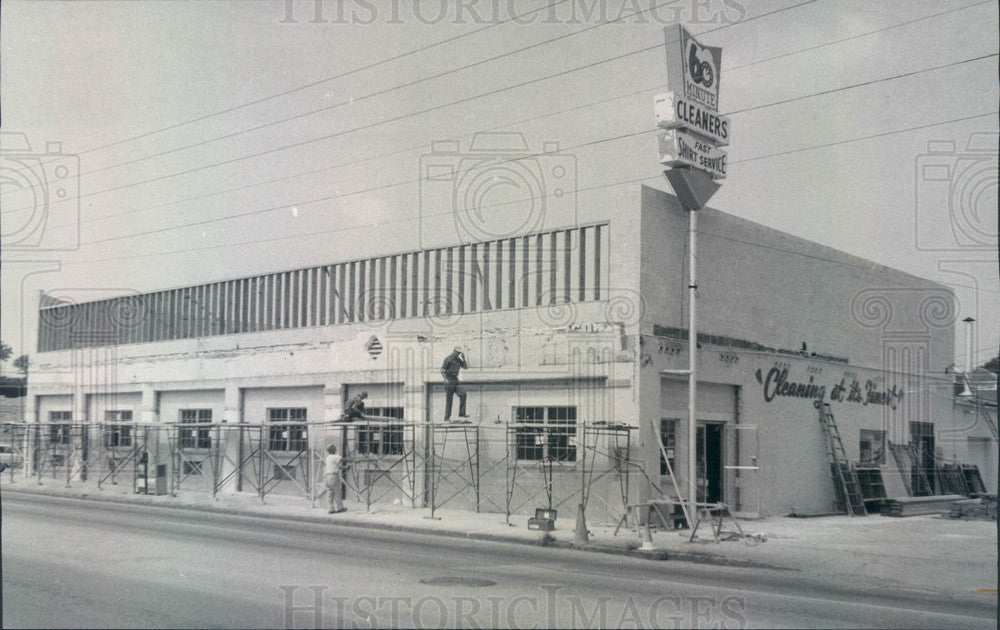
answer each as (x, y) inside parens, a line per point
(429, 464)
(59, 449)
(17, 446)
(192, 445)
(442, 469)
(121, 448)
(378, 450)
(579, 451)
(618, 453)
(269, 454)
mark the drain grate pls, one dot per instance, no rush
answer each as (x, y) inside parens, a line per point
(456, 581)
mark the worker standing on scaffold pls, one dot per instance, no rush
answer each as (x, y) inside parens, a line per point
(449, 369)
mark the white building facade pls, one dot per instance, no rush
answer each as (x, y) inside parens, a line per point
(570, 333)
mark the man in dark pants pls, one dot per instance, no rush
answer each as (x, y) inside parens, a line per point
(449, 369)
(355, 408)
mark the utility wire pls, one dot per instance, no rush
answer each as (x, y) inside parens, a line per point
(423, 145)
(578, 190)
(417, 51)
(363, 97)
(427, 110)
(857, 85)
(321, 81)
(522, 157)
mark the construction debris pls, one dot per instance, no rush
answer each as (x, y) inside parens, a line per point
(914, 506)
(981, 509)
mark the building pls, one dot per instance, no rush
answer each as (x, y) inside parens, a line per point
(571, 330)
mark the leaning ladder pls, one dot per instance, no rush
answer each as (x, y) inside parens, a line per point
(844, 477)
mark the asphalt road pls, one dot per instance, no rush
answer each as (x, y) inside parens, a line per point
(76, 563)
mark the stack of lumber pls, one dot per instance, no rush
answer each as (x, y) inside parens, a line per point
(914, 506)
(951, 479)
(984, 509)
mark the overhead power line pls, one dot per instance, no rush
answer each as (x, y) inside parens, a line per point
(420, 50)
(441, 106)
(857, 85)
(419, 112)
(423, 145)
(321, 81)
(521, 157)
(578, 190)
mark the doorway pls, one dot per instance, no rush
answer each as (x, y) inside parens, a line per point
(709, 461)
(922, 439)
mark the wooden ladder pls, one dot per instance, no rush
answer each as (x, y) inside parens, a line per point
(845, 479)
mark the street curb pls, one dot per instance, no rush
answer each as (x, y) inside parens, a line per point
(697, 558)
(633, 551)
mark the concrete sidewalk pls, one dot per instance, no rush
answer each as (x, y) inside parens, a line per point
(923, 554)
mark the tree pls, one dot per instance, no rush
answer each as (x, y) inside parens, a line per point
(21, 363)
(10, 386)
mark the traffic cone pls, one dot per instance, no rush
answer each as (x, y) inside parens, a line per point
(647, 540)
(581, 534)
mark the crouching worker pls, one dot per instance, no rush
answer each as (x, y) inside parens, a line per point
(333, 480)
(355, 408)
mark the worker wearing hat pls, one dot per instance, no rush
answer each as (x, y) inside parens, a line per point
(449, 369)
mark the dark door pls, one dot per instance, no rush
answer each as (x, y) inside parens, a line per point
(708, 447)
(925, 459)
(922, 439)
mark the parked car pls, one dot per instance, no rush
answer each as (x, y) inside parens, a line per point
(10, 457)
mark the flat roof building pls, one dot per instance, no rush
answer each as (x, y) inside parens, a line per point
(573, 332)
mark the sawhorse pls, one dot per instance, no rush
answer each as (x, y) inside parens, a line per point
(714, 521)
(666, 519)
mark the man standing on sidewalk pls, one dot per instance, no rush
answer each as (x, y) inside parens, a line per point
(333, 468)
(449, 369)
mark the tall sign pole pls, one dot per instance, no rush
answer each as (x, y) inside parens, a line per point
(690, 145)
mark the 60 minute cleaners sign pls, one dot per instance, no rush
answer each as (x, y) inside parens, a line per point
(689, 114)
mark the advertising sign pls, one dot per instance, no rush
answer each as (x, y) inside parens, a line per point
(693, 70)
(680, 148)
(677, 112)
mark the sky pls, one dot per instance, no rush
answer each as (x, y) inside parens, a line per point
(194, 141)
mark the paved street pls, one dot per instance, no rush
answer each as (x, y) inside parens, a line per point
(70, 562)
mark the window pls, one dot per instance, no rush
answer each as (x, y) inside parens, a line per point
(59, 433)
(190, 437)
(118, 435)
(287, 437)
(547, 442)
(872, 449)
(192, 467)
(668, 435)
(382, 440)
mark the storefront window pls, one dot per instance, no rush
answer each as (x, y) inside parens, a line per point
(382, 440)
(668, 435)
(287, 437)
(552, 440)
(118, 435)
(191, 437)
(59, 433)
